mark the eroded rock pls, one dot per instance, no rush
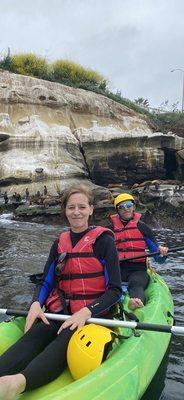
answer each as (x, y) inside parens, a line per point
(53, 134)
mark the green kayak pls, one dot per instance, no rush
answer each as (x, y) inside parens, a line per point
(130, 366)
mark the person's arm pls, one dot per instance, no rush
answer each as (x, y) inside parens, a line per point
(46, 284)
(152, 244)
(42, 290)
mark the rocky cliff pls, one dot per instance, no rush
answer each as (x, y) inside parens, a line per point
(53, 134)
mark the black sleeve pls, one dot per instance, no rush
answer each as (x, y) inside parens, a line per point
(40, 291)
(146, 231)
(151, 242)
(110, 226)
(105, 249)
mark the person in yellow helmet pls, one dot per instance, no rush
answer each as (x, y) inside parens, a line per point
(133, 237)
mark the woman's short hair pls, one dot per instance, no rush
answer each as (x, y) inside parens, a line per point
(84, 189)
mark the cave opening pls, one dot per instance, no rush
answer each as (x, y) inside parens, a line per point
(170, 163)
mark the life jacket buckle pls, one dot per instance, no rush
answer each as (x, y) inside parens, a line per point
(69, 296)
(60, 264)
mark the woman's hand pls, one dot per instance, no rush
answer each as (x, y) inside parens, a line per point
(77, 320)
(35, 312)
(163, 250)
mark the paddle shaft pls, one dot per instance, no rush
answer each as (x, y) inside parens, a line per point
(155, 253)
(105, 322)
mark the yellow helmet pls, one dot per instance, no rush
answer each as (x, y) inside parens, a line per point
(86, 349)
(123, 197)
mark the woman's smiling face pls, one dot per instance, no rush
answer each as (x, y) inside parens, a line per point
(78, 210)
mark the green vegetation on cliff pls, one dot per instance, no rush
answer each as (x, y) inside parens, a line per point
(62, 71)
(170, 121)
(65, 72)
(27, 64)
(72, 74)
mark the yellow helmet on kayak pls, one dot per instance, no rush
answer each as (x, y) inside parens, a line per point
(123, 197)
(87, 348)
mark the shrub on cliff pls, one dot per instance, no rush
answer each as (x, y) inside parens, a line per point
(62, 71)
(6, 63)
(68, 72)
(170, 121)
(26, 64)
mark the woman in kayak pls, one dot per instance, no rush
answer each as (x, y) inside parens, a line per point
(133, 237)
(81, 278)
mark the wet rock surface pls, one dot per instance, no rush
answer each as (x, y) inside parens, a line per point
(160, 203)
(163, 202)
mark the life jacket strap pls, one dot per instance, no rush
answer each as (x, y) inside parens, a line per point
(81, 276)
(124, 229)
(71, 296)
(80, 255)
(127, 240)
(132, 250)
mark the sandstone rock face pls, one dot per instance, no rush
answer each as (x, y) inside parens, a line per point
(129, 155)
(35, 152)
(53, 134)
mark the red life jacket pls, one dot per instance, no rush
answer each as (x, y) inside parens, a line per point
(129, 240)
(82, 279)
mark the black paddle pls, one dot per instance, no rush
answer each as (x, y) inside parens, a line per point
(155, 253)
(106, 322)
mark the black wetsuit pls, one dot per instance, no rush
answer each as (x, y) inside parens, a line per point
(40, 355)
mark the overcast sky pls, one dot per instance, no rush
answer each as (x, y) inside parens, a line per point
(133, 43)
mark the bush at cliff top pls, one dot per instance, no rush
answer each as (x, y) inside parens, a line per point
(170, 121)
(62, 71)
(65, 72)
(30, 64)
(68, 72)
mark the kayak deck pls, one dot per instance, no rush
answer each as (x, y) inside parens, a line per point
(130, 366)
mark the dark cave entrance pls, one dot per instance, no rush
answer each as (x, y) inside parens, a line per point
(170, 163)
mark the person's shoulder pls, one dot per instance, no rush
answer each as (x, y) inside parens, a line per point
(103, 229)
(107, 229)
(104, 243)
(144, 228)
(55, 243)
(141, 223)
(64, 230)
(110, 226)
(106, 236)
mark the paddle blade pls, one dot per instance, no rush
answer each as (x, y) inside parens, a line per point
(36, 278)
